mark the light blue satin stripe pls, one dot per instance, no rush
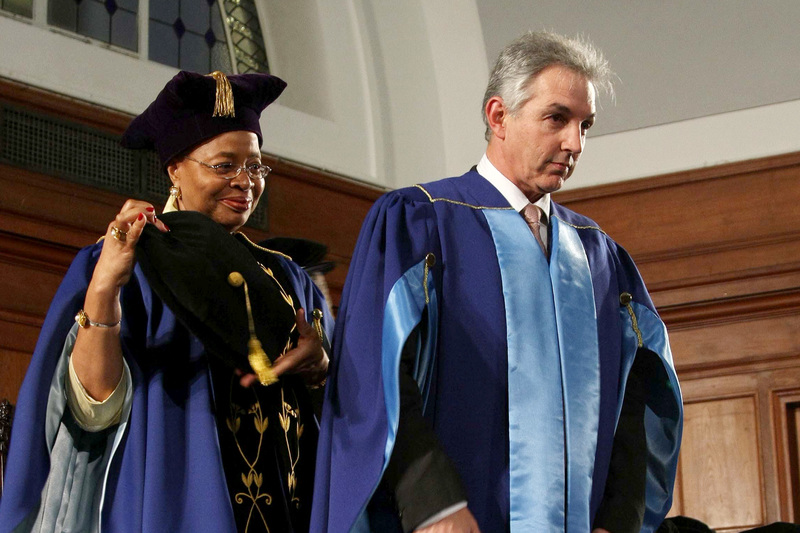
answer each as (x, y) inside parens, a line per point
(580, 367)
(535, 407)
(663, 430)
(402, 313)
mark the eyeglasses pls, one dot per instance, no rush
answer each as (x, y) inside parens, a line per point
(229, 171)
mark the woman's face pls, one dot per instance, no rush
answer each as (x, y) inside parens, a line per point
(227, 202)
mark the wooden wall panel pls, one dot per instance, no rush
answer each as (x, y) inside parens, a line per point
(702, 235)
(793, 470)
(757, 443)
(786, 418)
(331, 212)
(27, 298)
(677, 495)
(738, 341)
(718, 434)
(14, 364)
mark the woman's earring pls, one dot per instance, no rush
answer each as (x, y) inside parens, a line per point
(172, 201)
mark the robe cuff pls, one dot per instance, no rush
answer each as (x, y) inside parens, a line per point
(90, 414)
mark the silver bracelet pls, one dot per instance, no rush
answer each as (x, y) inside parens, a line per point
(83, 321)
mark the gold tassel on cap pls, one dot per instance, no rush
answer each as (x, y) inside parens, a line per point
(223, 105)
(255, 353)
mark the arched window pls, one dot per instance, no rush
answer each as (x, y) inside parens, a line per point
(197, 35)
(188, 34)
(246, 38)
(23, 8)
(109, 21)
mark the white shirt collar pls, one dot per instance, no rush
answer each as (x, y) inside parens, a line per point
(515, 197)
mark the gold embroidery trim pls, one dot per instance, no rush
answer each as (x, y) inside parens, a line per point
(581, 227)
(286, 296)
(317, 315)
(456, 202)
(430, 260)
(625, 299)
(289, 301)
(285, 416)
(262, 248)
(252, 477)
(287, 411)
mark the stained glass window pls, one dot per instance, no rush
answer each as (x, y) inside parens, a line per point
(197, 35)
(188, 34)
(246, 38)
(18, 7)
(110, 21)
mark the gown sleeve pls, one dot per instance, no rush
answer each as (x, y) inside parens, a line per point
(420, 479)
(391, 289)
(648, 374)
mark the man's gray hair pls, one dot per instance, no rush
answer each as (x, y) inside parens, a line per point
(522, 60)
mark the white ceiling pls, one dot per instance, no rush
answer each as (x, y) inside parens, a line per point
(676, 59)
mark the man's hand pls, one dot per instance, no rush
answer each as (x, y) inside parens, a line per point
(461, 521)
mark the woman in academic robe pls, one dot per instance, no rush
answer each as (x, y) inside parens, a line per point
(169, 387)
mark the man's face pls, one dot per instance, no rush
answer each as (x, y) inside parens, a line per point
(544, 139)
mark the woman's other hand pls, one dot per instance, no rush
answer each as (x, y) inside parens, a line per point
(308, 359)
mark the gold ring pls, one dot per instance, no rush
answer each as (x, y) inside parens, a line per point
(119, 234)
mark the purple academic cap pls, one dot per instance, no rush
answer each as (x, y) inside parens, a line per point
(192, 108)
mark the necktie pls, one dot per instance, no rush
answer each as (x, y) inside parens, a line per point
(532, 215)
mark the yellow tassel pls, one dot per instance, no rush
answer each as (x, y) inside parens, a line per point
(223, 105)
(260, 362)
(317, 314)
(255, 353)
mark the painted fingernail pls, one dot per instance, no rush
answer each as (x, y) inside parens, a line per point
(166, 227)
(150, 209)
(140, 217)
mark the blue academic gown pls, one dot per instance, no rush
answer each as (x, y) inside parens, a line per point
(522, 371)
(160, 469)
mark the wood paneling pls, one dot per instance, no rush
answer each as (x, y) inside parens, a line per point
(740, 340)
(786, 418)
(328, 211)
(677, 495)
(717, 434)
(14, 365)
(699, 236)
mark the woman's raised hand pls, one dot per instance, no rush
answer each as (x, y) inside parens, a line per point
(118, 256)
(97, 354)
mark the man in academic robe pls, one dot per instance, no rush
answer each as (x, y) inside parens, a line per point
(498, 363)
